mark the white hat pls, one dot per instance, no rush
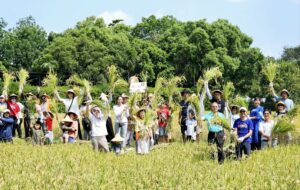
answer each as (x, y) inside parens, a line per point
(103, 97)
(67, 119)
(117, 138)
(243, 109)
(2, 96)
(6, 110)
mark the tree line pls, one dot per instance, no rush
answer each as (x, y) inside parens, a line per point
(155, 47)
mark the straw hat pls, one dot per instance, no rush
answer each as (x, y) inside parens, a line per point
(117, 138)
(71, 91)
(243, 109)
(285, 91)
(50, 113)
(67, 119)
(279, 103)
(218, 91)
(13, 96)
(124, 96)
(46, 95)
(140, 109)
(232, 106)
(70, 112)
(185, 91)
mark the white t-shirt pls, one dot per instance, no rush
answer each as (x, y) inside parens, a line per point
(121, 115)
(233, 118)
(98, 125)
(266, 128)
(20, 113)
(74, 108)
(191, 124)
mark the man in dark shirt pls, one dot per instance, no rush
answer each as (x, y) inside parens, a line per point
(216, 97)
(184, 112)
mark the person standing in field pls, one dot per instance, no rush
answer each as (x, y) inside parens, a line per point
(256, 115)
(121, 112)
(98, 128)
(183, 114)
(48, 120)
(265, 128)
(45, 106)
(216, 97)
(27, 114)
(234, 115)
(86, 123)
(14, 108)
(289, 104)
(216, 133)
(71, 105)
(143, 133)
(163, 118)
(243, 127)
(191, 124)
(6, 126)
(37, 134)
(281, 111)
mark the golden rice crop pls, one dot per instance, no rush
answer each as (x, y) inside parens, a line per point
(269, 71)
(212, 73)
(7, 78)
(22, 75)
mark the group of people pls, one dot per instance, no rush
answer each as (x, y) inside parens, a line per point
(253, 129)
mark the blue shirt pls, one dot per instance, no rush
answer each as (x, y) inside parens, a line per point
(6, 128)
(243, 128)
(213, 127)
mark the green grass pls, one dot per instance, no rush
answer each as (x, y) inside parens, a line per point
(176, 166)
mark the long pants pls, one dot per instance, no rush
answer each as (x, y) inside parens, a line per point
(121, 128)
(218, 138)
(86, 129)
(100, 142)
(17, 127)
(27, 126)
(243, 147)
(79, 130)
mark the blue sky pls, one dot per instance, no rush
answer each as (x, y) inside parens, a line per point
(273, 24)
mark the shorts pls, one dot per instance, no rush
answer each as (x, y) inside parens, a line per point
(162, 131)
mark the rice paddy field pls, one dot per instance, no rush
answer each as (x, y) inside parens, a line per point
(174, 166)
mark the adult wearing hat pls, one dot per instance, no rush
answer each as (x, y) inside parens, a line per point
(183, 114)
(216, 96)
(256, 115)
(71, 105)
(12, 105)
(6, 125)
(243, 127)
(98, 127)
(281, 112)
(284, 97)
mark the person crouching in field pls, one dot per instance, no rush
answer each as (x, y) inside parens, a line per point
(37, 133)
(265, 128)
(6, 125)
(163, 119)
(98, 128)
(191, 124)
(117, 144)
(69, 128)
(244, 128)
(48, 120)
(142, 133)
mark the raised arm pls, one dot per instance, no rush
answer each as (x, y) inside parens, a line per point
(56, 95)
(207, 90)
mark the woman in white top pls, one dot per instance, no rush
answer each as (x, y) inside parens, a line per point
(265, 128)
(98, 128)
(71, 105)
(121, 112)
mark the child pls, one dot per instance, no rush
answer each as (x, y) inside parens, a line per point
(117, 143)
(37, 133)
(69, 128)
(48, 119)
(163, 118)
(6, 125)
(142, 133)
(191, 124)
(234, 114)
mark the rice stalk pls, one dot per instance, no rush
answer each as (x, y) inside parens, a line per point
(22, 75)
(51, 81)
(228, 90)
(171, 87)
(283, 125)
(212, 73)
(194, 102)
(7, 78)
(240, 101)
(133, 101)
(217, 120)
(269, 71)
(75, 80)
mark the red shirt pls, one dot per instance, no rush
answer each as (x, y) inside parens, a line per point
(13, 108)
(163, 116)
(48, 122)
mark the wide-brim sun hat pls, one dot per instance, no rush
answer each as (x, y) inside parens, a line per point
(13, 96)
(67, 119)
(70, 112)
(71, 91)
(185, 91)
(45, 95)
(285, 91)
(217, 91)
(124, 96)
(280, 103)
(117, 138)
(243, 109)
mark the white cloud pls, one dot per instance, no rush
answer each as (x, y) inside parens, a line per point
(159, 13)
(109, 16)
(237, 1)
